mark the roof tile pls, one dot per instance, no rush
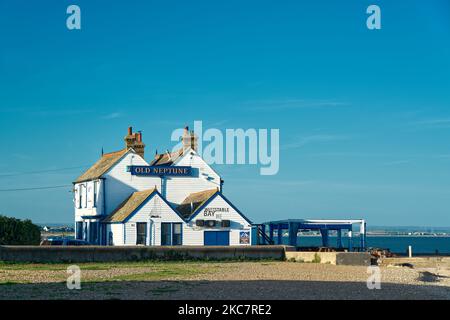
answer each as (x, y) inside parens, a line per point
(129, 206)
(106, 162)
(197, 199)
(166, 158)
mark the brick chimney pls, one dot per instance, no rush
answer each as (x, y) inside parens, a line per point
(134, 140)
(139, 146)
(130, 138)
(190, 140)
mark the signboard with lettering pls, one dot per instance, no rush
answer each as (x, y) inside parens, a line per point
(161, 171)
(244, 237)
(211, 212)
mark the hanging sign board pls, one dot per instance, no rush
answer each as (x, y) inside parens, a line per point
(161, 171)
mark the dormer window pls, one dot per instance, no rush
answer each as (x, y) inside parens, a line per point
(80, 198)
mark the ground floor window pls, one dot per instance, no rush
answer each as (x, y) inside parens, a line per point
(165, 234)
(79, 228)
(171, 234)
(93, 232)
(176, 234)
(141, 232)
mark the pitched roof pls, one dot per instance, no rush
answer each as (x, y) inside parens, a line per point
(129, 206)
(197, 199)
(105, 163)
(167, 159)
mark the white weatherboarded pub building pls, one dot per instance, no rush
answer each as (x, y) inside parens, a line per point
(176, 199)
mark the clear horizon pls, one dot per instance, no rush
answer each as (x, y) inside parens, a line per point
(369, 226)
(364, 115)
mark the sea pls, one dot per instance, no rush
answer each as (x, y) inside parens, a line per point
(422, 245)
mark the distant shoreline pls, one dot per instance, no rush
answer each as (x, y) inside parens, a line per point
(409, 236)
(387, 235)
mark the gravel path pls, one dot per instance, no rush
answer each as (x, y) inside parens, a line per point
(246, 280)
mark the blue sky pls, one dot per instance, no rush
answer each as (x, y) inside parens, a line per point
(364, 115)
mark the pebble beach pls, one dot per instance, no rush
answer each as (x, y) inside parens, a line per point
(223, 281)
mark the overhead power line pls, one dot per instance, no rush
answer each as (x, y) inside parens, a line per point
(41, 171)
(36, 172)
(35, 188)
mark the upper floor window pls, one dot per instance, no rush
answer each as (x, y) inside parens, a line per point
(83, 196)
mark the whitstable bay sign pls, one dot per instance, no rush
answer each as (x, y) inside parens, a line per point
(161, 171)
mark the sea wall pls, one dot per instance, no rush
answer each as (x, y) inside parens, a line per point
(337, 258)
(65, 254)
(418, 262)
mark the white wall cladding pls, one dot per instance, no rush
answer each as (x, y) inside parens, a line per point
(178, 188)
(130, 233)
(117, 232)
(120, 184)
(194, 235)
(85, 205)
(160, 211)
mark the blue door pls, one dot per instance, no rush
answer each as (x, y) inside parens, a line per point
(217, 238)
